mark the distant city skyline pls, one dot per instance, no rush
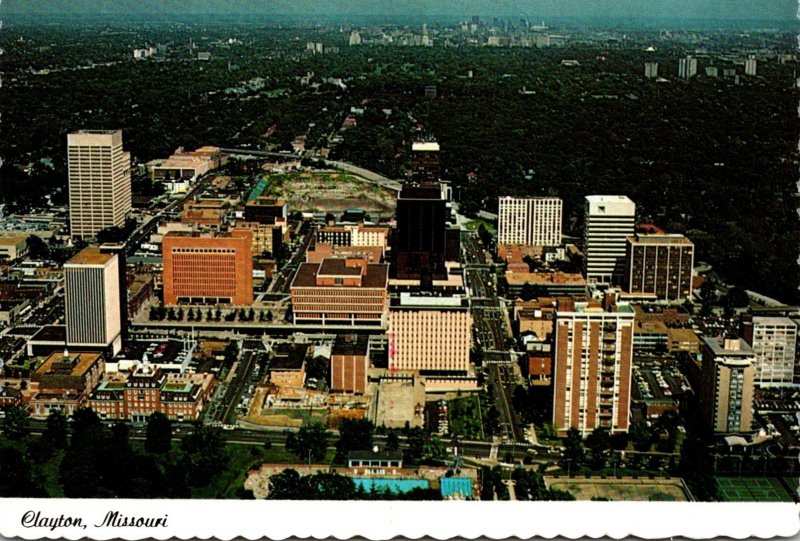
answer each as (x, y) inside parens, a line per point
(628, 10)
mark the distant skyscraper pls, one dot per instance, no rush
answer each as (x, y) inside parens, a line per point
(355, 38)
(727, 384)
(750, 66)
(609, 223)
(661, 265)
(92, 304)
(687, 67)
(99, 181)
(593, 363)
(531, 221)
(651, 70)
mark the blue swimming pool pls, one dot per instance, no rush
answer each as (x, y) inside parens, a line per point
(398, 486)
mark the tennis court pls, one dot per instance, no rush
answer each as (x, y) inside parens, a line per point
(752, 489)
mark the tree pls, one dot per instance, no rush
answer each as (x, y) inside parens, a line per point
(573, 450)
(310, 442)
(158, 438)
(37, 248)
(599, 444)
(354, 435)
(392, 442)
(640, 436)
(416, 444)
(285, 485)
(16, 478)
(204, 455)
(434, 449)
(56, 432)
(16, 423)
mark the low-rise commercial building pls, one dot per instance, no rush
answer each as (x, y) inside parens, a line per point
(340, 292)
(65, 381)
(287, 368)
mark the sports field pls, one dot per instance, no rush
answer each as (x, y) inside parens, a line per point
(755, 489)
(622, 489)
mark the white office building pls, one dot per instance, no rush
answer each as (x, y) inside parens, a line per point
(99, 181)
(687, 67)
(750, 66)
(92, 304)
(530, 221)
(774, 342)
(651, 70)
(609, 223)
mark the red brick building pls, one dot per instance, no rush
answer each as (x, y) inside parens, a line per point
(349, 363)
(147, 390)
(208, 269)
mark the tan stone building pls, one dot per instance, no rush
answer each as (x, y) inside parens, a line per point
(430, 334)
(99, 181)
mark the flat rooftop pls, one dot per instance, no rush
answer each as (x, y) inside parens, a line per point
(73, 364)
(660, 238)
(425, 147)
(289, 357)
(350, 344)
(717, 346)
(377, 276)
(90, 256)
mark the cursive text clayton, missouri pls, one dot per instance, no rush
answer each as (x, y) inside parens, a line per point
(35, 519)
(112, 519)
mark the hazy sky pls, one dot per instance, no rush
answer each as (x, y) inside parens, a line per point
(713, 9)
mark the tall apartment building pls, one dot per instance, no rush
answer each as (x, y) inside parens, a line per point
(93, 308)
(660, 264)
(651, 70)
(208, 268)
(727, 379)
(340, 291)
(430, 334)
(99, 181)
(774, 342)
(609, 223)
(355, 38)
(750, 66)
(531, 221)
(687, 67)
(593, 361)
(425, 162)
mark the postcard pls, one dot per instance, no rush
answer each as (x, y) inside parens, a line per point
(368, 269)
